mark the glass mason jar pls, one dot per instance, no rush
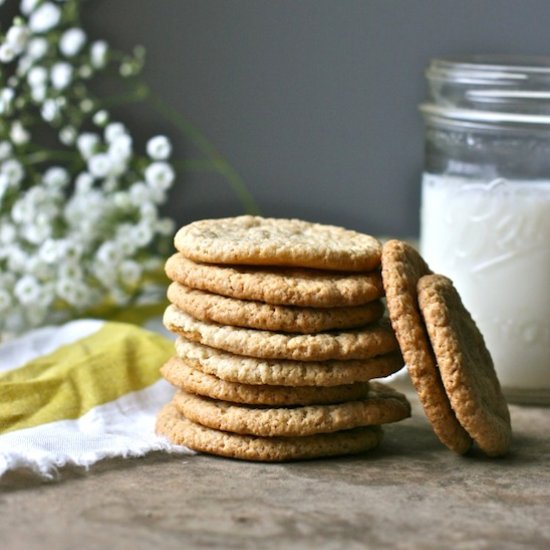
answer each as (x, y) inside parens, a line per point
(485, 215)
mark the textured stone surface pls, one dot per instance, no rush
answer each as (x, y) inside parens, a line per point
(410, 493)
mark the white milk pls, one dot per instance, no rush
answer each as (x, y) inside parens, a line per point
(493, 240)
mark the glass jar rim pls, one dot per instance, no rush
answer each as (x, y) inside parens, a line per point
(489, 69)
(494, 89)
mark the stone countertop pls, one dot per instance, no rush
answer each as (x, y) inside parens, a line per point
(410, 493)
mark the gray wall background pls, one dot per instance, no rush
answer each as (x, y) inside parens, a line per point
(313, 102)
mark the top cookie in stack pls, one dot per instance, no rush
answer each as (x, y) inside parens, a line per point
(282, 314)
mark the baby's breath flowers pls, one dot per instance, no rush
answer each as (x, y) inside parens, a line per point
(79, 217)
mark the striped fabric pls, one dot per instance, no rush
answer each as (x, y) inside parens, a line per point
(75, 394)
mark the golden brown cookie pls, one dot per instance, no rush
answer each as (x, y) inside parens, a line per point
(252, 370)
(374, 339)
(185, 377)
(253, 240)
(181, 431)
(278, 285)
(402, 267)
(209, 307)
(465, 365)
(382, 406)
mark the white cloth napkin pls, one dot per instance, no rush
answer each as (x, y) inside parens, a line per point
(79, 393)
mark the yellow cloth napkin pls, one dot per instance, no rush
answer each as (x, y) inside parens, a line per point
(81, 392)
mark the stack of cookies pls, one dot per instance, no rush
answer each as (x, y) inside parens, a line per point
(280, 330)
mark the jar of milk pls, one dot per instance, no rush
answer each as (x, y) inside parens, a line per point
(485, 217)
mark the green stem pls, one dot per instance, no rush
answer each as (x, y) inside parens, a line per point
(194, 165)
(140, 93)
(216, 160)
(45, 155)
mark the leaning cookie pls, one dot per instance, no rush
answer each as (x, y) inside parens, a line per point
(179, 374)
(364, 343)
(278, 285)
(206, 306)
(253, 240)
(251, 370)
(383, 405)
(402, 267)
(181, 431)
(465, 365)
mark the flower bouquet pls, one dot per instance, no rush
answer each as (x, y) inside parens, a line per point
(80, 227)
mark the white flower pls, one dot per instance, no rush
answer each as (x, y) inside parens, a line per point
(74, 293)
(159, 175)
(47, 295)
(139, 193)
(56, 177)
(38, 268)
(50, 251)
(13, 170)
(99, 165)
(143, 234)
(36, 233)
(61, 75)
(5, 149)
(159, 148)
(49, 110)
(130, 272)
(37, 48)
(37, 76)
(6, 98)
(4, 186)
(108, 253)
(85, 71)
(101, 118)
(113, 131)
(120, 149)
(17, 37)
(70, 271)
(87, 144)
(110, 183)
(67, 135)
(27, 6)
(27, 289)
(23, 212)
(38, 93)
(44, 18)
(24, 64)
(7, 53)
(166, 226)
(18, 134)
(121, 200)
(8, 233)
(98, 53)
(83, 183)
(71, 41)
(86, 105)
(17, 258)
(72, 251)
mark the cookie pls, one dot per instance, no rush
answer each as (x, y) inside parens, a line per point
(251, 370)
(206, 306)
(465, 365)
(181, 375)
(253, 240)
(374, 339)
(383, 405)
(179, 430)
(278, 285)
(402, 267)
